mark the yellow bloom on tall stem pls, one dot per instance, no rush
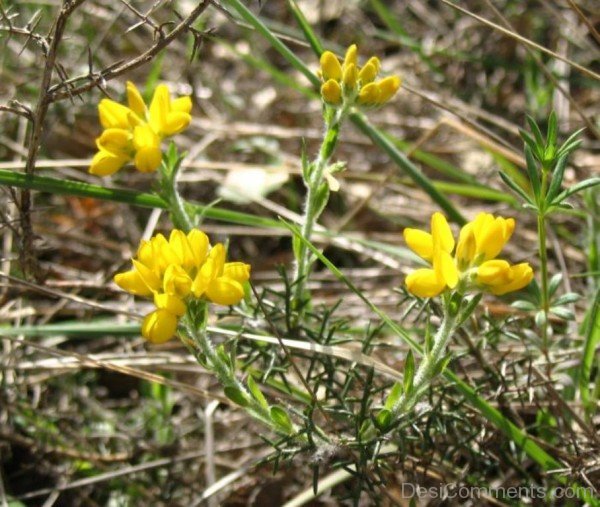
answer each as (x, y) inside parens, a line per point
(177, 270)
(346, 82)
(133, 133)
(472, 265)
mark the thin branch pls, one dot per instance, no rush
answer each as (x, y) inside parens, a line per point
(585, 20)
(57, 93)
(27, 255)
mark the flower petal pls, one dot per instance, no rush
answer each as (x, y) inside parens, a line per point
(441, 232)
(351, 57)
(132, 282)
(388, 88)
(424, 283)
(113, 115)
(238, 271)
(330, 67)
(159, 326)
(522, 275)
(420, 242)
(182, 104)
(159, 108)
(331, 92)
(445, 269)
(369, 95)
(176, 281)
(171, 303)
(198, 242)
(225, 291)
(148, 159)
(495, 272)
(106, 163)
(135, 100)
(467, 246)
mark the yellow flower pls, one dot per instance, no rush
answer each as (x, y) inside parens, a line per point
(472, 266)
(347, 82)
(133, 133)
(174, 271)
(159, 326)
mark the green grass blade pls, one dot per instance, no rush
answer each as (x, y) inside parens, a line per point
(408, 167)
(260, 27)
(91, 329)
(494, 416)
(307, 30)
(81, 189)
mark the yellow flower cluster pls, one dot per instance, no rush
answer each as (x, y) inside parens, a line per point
(473, 266)
(134, 132)
(348, 82)
(173, 271)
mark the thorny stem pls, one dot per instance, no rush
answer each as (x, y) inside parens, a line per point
(312, 206)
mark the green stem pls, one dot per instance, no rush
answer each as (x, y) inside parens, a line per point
(199, 336)
(541, 226)
(427, 369)
(179, 215)
(312, 206)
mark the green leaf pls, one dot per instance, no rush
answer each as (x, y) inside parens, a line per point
(539, 138)
(81, 189)
(236, 395)
(540, 319)
(562, 312)
(515, 187)
(383, 419)
(572, 143)
(567, 299)
(578, 187)
(409, 372)
(442, 364)
(529, 141)
(281, 419)
(552, 132)
(394, 396)
(466, 312)
(321, 198)
(524, 306)
(554, 283)
(256, 392)
(533, 174)
(557, 178)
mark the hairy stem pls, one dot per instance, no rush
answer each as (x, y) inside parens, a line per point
(196, 331)
(312, 206)
(427, 369)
